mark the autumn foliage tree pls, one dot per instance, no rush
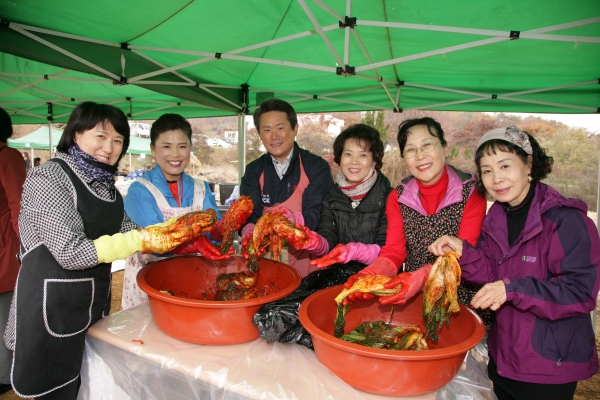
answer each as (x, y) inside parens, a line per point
(253, 145)
(376, 119)
(575, 151)
(314, 137)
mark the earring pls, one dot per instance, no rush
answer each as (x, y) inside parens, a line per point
(528, 178)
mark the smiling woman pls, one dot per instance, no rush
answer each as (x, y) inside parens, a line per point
(102, 142)
(72, 226)
(435, 198)
(538, 259)
(166, 192)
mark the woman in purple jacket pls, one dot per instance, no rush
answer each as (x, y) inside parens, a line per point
(538, 259)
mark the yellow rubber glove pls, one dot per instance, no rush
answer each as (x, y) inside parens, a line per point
(160, 238)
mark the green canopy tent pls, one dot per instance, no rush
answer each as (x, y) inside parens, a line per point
(222, 57)
(37, 140)
(210, 58)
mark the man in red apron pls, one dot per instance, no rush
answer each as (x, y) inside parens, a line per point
(287, 176)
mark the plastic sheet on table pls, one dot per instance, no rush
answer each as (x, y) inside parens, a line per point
(117, 365)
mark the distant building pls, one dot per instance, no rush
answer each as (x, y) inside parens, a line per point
(230, 137)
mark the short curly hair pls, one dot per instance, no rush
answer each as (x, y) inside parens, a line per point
(541, 164)
(363, 134)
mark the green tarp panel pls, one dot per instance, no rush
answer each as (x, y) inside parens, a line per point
(138, 145)
(216, 57)
(39, 140)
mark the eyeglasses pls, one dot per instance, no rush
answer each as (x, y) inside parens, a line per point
(426, 147)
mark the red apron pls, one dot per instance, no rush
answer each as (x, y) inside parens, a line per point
(298, 259)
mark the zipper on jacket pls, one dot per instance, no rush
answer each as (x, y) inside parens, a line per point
(502, 259)
(288, 189)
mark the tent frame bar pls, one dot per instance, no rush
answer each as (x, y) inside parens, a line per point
(152, 60)
(46, 43)
(384, 84)
(489, 32)
(320, 31)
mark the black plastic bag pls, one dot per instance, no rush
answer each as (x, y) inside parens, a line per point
(278, 321)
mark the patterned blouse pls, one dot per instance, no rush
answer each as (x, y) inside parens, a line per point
(49, 216)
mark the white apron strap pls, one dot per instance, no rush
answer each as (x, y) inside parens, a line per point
(161, 201)
(199, 194)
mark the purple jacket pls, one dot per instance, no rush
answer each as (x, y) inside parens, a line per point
(543, 333)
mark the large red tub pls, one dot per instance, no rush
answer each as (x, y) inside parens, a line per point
(389, 372)
(205, 321)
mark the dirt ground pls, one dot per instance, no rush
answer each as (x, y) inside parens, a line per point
(586, 390)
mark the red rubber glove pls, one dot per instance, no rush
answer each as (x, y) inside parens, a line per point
(381, 266)
(216, 232)
(246, 239)
(356, 296)
(412, 283)
(316, 243)
(204, 246)
(293, 217)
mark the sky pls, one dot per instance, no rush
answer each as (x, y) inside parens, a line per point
(589, 121)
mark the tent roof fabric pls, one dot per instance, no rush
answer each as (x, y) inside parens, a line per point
(215, 58)
(39, 140)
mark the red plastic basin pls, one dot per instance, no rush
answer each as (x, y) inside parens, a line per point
(389, 372)
(204, 321)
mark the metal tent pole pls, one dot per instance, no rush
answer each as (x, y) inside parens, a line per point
(241, 146)
(244, 102)
(50, 130)
(50, 118)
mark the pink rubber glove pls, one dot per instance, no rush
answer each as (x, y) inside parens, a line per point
(381, 266)
(294, 217)
(344, 253)
(248, 229)
(216, 232)
(316, 244)
(204, 246)
(412, 283)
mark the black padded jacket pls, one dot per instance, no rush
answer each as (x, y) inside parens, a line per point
(367, 223)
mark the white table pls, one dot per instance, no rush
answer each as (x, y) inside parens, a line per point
(115, 367)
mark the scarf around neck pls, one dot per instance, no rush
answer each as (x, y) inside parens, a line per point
(357, 191)
(93, 168)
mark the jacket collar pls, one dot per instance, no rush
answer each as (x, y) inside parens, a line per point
(545, 198)
(267, 159)
(410, 194)
(156, 176)
(339, 200)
